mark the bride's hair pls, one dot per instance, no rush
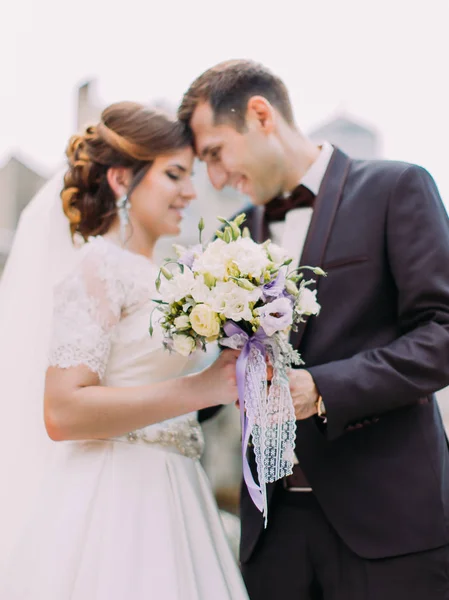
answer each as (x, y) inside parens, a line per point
(128, 135)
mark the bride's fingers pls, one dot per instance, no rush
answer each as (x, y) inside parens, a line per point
(231, 354)
(269, 372)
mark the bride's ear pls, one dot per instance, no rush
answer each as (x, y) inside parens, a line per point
(119, 179)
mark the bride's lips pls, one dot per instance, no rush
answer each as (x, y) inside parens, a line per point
(178, 210)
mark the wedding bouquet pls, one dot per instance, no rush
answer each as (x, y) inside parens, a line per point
(246, 296)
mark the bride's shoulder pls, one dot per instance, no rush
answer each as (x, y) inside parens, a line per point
(101, 254)
(93, 259)
(109, 260)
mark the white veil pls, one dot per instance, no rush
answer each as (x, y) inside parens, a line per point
(42, 253)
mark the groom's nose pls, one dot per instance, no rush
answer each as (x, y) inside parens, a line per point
(189, 192)
(218, 176)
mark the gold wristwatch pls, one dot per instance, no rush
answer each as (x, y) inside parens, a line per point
(321, 409)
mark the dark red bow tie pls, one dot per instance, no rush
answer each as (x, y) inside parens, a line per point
(277, 208)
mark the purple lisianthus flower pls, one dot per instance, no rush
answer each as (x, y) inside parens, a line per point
(275, 316)
(274, 288)
(189, 255)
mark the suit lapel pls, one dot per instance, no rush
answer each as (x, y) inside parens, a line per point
(325, 210)
(326, 205)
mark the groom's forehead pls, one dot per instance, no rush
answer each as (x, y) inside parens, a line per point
(206, 132)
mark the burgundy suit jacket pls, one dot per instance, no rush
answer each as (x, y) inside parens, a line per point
(377, 352)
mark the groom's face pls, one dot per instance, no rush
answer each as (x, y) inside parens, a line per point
(247, 160)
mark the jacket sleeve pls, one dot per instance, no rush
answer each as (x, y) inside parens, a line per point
(416, 364)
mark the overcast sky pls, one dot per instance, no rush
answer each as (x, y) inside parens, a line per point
(386, 62)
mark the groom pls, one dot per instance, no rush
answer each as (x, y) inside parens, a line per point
(365, 514)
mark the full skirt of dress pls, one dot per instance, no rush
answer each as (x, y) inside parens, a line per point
(122, 521)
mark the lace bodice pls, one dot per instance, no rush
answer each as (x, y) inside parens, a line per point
(101, 320)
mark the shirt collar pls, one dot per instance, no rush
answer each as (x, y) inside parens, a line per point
(315, 174)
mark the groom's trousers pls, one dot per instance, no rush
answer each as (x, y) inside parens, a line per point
(301, 557)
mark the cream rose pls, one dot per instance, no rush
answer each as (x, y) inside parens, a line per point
(205, 321)
(182, 322)
(183, 344)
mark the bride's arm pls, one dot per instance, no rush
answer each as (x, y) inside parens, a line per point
(77, 407)
(88, 306)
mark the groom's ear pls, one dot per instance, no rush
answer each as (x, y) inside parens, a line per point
(261, 113)
(119, 179)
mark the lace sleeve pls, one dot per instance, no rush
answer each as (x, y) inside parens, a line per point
(87, 307)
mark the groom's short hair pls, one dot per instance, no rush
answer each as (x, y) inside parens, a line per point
(228, 86)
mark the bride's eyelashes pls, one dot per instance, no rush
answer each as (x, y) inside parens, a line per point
(172, 176)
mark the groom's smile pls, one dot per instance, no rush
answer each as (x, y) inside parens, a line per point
(242, 159)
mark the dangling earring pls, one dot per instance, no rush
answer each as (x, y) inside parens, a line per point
(123, 206)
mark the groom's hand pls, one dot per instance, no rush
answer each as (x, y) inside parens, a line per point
(304, 393)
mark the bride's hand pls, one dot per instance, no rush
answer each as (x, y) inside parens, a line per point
(218, 383)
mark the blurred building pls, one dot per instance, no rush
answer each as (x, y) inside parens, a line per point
(18, 184)
(355, 139)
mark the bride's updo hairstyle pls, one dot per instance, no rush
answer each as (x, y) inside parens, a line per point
(128, 135)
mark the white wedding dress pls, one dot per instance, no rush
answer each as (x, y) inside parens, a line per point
(129, 518)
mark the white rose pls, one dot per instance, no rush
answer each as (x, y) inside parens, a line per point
(183, 344)
(306, 303)
(177, 288)
(205, 321)
(233, 301)
(251, 258)
(213, 260)
(277, 254)
(239, 258)
(182, 322)
(200, 291)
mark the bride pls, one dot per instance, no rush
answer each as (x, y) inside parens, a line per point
(115, 505)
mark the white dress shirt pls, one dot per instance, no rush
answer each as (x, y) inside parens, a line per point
(291, 233)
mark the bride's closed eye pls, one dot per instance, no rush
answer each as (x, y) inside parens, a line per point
(172, 176)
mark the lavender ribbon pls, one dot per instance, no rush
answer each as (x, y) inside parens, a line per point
(256, 492)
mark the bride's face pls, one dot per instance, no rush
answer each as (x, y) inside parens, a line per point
(158, 202)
